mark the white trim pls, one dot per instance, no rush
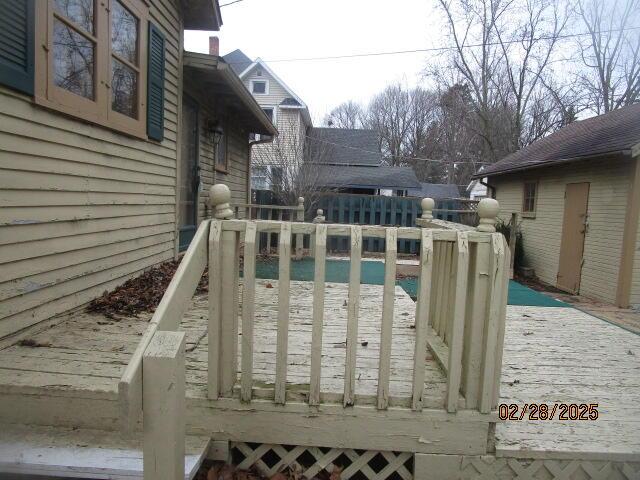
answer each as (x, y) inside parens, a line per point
(274, 76)
(266, 86)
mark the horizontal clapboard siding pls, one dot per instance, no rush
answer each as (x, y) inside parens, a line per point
(609, 183)
(82, 208)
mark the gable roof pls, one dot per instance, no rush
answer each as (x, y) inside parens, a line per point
(237, 60)
(348, 176)
(437, 191)
(345, 146)
(616, 132)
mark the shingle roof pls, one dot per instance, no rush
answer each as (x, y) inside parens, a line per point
(238, 61)
(343, 146)
(437, 191)
(290, 102)
(614, 132)
(346, 176)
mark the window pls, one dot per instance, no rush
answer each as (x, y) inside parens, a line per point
(276, 177)
(221, 153)
(259, 178)
(269, 113)
(94, 68)
(259, 87)
(529, 199)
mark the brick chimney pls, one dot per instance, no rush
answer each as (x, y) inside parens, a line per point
(214, 46)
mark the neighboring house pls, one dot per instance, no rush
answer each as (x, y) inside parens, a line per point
(106, 151)
(349, 161)
(445, 196)
(281, 104)
(476, 189)
(577, 193)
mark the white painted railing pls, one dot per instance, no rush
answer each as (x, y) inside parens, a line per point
(462, 289)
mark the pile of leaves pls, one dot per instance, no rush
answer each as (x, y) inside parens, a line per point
(141, 294)
(224, 471)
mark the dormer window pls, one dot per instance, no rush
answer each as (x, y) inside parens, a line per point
(259, 87)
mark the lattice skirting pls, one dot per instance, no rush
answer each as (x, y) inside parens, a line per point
(312, 462)
(490, 468)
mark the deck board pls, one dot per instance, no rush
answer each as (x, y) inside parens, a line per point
(555, 354)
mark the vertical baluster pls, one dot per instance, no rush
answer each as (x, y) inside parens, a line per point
(450, 291)
(423, 306)
(445, 317)
(269, 217)
(284, 253)
(435, 275)
(248, 310)
(456, 332)
(215, 277)
(388, 297)
(439, 314)
(494, 311)
(503, 314)
(229, 313)
(299, 236)
(318, 314)
(353, 308)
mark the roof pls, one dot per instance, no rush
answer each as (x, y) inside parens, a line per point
(616, 132)
(344, 176)
(237, 60)
(437, 191)
(201, 15)
(216, 76)
(345, 146)
(290, 102)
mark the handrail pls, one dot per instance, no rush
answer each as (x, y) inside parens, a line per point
(167, 316)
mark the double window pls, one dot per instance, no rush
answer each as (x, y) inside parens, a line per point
(90, 59)
(529, 198)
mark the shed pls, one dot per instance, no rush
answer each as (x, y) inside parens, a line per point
(577, 193)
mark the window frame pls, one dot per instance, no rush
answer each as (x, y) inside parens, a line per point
(260, 80)
(97, 111)
(529, 213)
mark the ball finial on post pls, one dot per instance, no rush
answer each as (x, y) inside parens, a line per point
(488, 209)
(427, 204)
(219, 197)
(319, 218)
(300, 202)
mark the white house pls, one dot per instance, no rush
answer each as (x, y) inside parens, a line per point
(287, 111)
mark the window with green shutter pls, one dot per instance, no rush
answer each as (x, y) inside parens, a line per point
(155, 84)
(16, 44)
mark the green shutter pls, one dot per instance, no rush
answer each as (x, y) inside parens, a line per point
(155, 84)
(16, 44)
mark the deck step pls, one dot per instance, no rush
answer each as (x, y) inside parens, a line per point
(81, 453)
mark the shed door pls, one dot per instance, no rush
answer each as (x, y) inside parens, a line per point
(576, 200)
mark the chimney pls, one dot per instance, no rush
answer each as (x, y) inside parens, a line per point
(214, 46)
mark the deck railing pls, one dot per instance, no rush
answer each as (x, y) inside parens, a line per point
(460, 314)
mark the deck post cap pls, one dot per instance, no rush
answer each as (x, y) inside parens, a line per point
(319, 218)
(427, 205)
(300, 201)
(488, 209)
(220, 196)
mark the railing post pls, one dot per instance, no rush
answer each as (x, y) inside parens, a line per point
(228, 299)
(164, 407)
(427, 205)
(319, 218)
(299, 236)
(512, 242)
(488, 209)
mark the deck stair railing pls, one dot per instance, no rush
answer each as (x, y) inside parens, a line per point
(460, 315)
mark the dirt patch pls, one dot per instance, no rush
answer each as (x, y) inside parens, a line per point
(141, 294)
(222, 471)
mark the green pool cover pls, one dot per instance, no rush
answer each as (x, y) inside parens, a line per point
(372, 272)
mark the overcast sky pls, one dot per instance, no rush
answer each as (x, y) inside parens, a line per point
(284, 29)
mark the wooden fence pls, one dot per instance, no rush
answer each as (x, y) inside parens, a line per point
(460, 314)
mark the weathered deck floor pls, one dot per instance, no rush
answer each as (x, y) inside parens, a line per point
(551, 355)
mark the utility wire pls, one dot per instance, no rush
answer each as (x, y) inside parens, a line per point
(231, 3)
(315, 139)
(431, 49)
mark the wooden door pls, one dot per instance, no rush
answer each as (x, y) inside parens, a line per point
(189, 173)
(574, 225)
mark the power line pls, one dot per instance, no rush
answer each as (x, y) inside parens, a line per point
(432, 49)
(399, 156)
(231, 3)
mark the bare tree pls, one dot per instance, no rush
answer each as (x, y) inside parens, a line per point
(290, 165)
(346, 115)
(611, 53)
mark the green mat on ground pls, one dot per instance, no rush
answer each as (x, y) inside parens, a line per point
(337, 271)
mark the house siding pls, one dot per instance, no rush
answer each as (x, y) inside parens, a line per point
(276, 94)
(609, 183)
(82, 207)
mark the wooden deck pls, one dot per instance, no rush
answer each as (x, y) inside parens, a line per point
(551, 355)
